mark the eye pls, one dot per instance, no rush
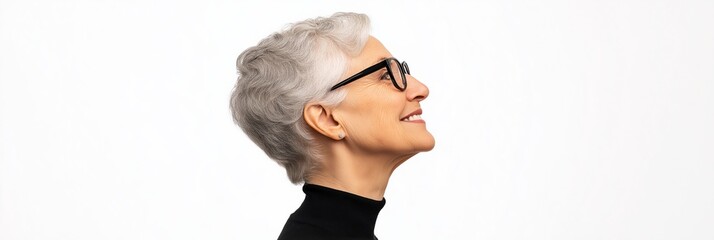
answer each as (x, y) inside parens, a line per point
(385, 76)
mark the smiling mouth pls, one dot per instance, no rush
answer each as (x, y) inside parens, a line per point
(411, 118)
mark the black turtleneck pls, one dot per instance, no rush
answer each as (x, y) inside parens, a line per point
(332, 214)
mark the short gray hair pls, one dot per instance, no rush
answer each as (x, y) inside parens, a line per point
(284, 72)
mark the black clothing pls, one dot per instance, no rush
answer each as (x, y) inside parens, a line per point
(332, 214)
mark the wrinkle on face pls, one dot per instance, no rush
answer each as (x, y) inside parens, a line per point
(372, 110)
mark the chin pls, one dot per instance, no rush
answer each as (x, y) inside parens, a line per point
(424, 144)
(428, 147)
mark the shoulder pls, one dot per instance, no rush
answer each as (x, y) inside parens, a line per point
(298, 230)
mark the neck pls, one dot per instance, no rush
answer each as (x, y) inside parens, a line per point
(366, 175)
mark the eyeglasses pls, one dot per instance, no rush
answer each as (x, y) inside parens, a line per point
(395, 71)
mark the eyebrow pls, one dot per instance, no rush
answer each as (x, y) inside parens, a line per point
(381, 69)
(378, 61)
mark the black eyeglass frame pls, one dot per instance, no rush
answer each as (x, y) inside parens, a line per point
(404, 69)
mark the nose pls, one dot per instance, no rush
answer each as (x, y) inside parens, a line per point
(416, 91)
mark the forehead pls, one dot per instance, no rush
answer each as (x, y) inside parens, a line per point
(372, 53)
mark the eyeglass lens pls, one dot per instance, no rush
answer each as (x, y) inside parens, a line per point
(399, 76)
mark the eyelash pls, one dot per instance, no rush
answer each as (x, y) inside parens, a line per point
(385, 76)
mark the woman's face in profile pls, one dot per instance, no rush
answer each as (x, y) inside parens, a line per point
(377, 116)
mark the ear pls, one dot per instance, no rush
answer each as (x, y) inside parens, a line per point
(322, 121)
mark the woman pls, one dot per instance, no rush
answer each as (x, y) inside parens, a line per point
(328, 102)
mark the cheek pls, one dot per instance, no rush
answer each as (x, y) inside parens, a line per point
(382, 122)
(374, 122)
(375, 109)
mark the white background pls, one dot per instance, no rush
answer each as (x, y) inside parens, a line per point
(553, 120)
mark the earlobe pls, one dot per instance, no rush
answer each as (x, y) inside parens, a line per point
(322, 121)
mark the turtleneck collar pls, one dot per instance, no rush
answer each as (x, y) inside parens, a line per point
(337, 211)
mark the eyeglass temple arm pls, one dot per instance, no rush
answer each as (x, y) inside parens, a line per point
(361, 74)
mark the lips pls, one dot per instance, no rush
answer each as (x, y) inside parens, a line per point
(416, 115)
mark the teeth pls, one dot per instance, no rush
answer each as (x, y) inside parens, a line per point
(412, 118)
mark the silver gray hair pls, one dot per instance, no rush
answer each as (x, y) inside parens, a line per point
(284, 72)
